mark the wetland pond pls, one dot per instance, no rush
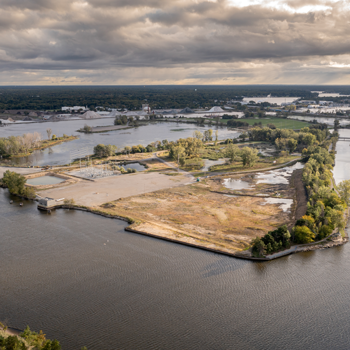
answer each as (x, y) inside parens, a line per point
(44, 180)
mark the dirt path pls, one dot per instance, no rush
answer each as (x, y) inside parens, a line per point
(23, 171)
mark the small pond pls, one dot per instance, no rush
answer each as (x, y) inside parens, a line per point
(233, 184)
(136, 166)
(44, 180)
(279, 176)
(285, 203)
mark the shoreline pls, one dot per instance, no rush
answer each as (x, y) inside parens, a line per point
(294, 249)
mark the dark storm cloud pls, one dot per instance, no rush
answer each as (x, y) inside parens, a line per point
(117, 34)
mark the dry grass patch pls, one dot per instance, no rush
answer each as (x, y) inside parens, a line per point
(196, 215)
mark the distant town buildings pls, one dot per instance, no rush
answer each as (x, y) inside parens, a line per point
(75, 109)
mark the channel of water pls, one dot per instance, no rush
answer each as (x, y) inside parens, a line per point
(85, 281)
(144, 135)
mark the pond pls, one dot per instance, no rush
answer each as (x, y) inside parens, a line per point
(286, 203)
(136, 166)
(279, 176)
(236, 184)
(44, 180)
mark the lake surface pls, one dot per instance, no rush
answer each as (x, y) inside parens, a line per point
(277, 100)
(324, 120)
(84, 280)
(62, 153)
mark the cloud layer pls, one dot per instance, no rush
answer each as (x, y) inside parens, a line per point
(174, 41)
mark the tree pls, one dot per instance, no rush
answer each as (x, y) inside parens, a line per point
(243, 136)
(179, 155)
(127, 149)
(344, 191)
(292, 145)
(258, 247)
(102, 150)
(232, 151)
(16, 184)
(302, 235)
(208, 135)
(87, 128)
(49, 133)
(249, 156)
(198, 135)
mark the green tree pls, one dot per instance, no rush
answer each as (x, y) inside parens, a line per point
(302, 234)
(232, 151)
(16, 184)
(249, 156)
(208, 135)
(198, 135)
(258, 247)
(344, 191)
(87, 128)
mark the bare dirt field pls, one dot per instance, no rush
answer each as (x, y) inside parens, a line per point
(195, 214)
(97, 192)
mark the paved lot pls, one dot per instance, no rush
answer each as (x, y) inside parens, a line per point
(93, 193)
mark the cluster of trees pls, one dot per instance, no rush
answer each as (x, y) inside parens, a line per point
(39, 341)
(102, 150)
(248, 155)
(226, 116)
(29, 340)
(237, 123)
(16, 184)
(272, 242)
(185, 148)
(14, 145)
(121, 120)
(325, 208)
(290, 140)
(131, 97)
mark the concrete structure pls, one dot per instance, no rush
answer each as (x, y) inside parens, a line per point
(48, 203)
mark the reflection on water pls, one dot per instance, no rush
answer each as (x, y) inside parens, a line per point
(144, 135)
(84, 280)
(44, 180)
(279, 176)
(136, 166)
(286, 203)
(234, 184)
(342, 158)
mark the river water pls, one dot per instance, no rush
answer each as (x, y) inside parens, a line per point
(61, 154)
(85, 281)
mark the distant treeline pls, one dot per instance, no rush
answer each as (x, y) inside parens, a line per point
(131, 97)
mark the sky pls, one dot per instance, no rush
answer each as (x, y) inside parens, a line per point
(143, 42)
